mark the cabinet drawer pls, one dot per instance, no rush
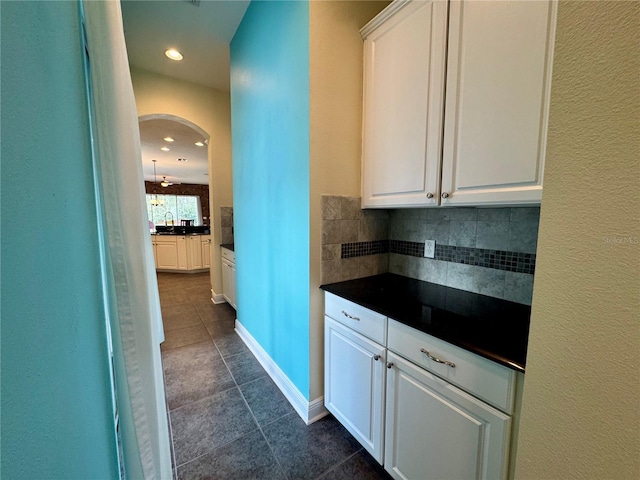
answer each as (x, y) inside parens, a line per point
(493, 383)
(362, 320)
(165, 239)
(228, 254)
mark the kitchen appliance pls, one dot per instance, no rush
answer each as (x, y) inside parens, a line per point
(186, 223)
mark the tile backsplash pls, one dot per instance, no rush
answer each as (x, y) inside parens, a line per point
(345, 229)
(491, 251)
(483, 250)
(226, 224)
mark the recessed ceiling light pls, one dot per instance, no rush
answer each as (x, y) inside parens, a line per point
(168, 139)
(165, 149)
(173, 54)
(199, 144)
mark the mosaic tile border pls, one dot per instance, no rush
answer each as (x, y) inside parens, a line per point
(480, 257)
(361, 249)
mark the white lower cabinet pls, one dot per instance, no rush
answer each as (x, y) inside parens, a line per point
(229, 276)
(437, 431)
(166, 253)
(354, 384)
(431, 413)
(206, 251)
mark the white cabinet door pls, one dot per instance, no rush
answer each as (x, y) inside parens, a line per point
(226, 280)
(206, 251)
(233, 286)
(154, 245)
(166, 253)
(181, 243)
(435, 431)
(194, 249)
(498, 79)
(404, 68)
(229, 282)
(354, 382)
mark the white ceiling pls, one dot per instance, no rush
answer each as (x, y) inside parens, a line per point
(152, 134)
(202, 34)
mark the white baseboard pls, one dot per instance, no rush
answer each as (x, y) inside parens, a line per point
(217, 298)
(309, 411)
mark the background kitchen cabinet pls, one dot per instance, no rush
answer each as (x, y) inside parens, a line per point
(154, 246)
(404, 67)
(166, 253)
(182, 253)
(354, 384)
(434, 430)
(498, 74)
(194, 252)
(181, 242)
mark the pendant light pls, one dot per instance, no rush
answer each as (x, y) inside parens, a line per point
(155, 201)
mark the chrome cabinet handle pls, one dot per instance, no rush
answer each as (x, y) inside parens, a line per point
(389, 364)
(429, 195)
(350, 316)
(445, 195)
(437, 360)
(376, 357)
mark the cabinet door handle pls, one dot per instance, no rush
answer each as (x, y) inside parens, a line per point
(350, 316)
(389, 364)
(437, 360)
(429, 195)
(376, 357)
(445, 195)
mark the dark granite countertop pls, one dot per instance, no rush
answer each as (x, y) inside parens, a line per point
(493, 328)
(228, 246)
(178, 234)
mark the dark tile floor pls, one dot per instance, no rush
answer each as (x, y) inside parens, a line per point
(227, 418)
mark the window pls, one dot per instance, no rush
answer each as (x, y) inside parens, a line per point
(181, 207)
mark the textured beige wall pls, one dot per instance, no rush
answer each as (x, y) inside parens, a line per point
(335, 105)
(209, 109)
(581, 404)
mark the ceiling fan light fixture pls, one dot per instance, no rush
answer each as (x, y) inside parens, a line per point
(164, 182)
(173, 54)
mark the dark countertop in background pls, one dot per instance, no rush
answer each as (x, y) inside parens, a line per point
(178, 234)
(493, 328)
(182, 230)
(228, 246)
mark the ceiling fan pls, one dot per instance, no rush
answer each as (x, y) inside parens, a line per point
(165, 183)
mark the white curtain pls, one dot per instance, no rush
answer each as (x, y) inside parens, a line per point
(136, 322)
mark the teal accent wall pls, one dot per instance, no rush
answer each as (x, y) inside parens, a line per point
(55, 388)
(270, 137)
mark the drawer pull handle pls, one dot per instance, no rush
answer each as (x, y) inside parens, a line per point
(350, 316)
(376, 357)
(389, 365)
(437, 360)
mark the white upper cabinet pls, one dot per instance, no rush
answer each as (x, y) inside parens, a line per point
(404, 61)
(484, 143)
(498, 78)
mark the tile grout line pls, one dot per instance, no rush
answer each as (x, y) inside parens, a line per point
(334, 467)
